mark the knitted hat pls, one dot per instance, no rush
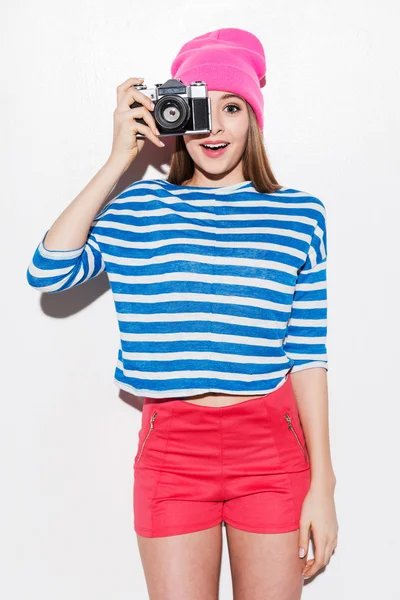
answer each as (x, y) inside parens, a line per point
(228, 59)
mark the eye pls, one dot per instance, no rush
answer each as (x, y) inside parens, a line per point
(234, 106)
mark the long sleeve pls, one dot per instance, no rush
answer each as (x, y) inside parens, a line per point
(56, 270)
(305, 341)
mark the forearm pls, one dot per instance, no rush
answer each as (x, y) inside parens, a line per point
(310, 388)
(70, 230)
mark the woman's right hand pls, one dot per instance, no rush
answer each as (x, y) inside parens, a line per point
(125, 144)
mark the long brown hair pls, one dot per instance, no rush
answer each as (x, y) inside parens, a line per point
(256, 167)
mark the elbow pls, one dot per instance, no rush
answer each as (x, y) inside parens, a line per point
(42, 282)
(48, 277)
(53, 270)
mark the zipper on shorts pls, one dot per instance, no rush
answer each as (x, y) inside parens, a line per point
(151, 427)
(292, 429)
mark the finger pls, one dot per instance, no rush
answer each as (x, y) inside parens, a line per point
(133, 95)
(304, 539)
(316, 564)
(307, 567)
(146, 131)
(328, 553)
(123, 87)
(141, 112)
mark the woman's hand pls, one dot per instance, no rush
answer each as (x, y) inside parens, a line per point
(318, 513)
(125, 144)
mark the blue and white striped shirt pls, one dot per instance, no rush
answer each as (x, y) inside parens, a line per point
(216, 289)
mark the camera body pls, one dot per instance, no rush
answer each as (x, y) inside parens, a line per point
(178, 109)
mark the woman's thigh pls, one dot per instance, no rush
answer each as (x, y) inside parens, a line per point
(182, 567)
(265, 566)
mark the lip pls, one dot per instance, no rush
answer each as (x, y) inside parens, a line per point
(215, 153)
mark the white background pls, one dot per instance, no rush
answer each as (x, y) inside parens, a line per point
(68, 436)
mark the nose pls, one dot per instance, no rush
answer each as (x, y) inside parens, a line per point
(216, 124)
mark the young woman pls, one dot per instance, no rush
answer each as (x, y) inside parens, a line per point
(219, 279)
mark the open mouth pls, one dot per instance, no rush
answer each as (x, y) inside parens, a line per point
(214, 150)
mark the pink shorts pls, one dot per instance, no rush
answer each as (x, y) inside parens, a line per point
(198, 466)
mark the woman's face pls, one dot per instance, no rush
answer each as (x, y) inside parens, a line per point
(230, 123)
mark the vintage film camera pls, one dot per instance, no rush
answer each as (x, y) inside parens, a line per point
(178, 109)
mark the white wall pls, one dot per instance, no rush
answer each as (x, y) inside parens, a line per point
(68, 437)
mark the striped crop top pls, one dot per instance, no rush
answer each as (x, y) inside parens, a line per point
(215, 289)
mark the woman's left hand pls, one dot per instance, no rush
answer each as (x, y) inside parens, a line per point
(318, 512)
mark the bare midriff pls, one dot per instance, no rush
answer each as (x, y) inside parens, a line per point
(215, 399)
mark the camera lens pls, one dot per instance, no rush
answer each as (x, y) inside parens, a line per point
(172, 112)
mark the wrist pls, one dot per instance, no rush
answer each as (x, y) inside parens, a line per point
(119, 163)
(326, 481)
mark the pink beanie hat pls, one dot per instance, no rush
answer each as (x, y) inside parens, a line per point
(228, 59)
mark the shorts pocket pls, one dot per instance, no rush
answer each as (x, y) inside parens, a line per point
(144, 439)
(295, 430)
(153, 436)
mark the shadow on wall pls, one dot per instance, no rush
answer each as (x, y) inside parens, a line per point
(69, 302)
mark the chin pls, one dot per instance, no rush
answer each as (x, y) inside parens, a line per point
(217, 170)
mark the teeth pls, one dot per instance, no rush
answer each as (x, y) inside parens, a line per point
(214, 145)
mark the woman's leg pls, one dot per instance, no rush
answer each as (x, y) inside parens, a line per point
(265, 566)
(182, 567)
